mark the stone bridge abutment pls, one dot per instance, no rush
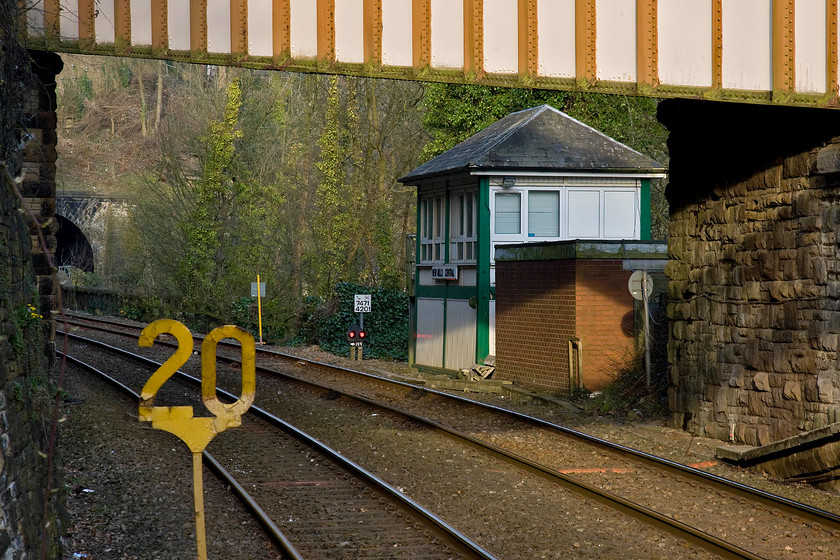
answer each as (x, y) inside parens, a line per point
(754, 269)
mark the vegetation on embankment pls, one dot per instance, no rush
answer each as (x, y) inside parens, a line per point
(232, 173)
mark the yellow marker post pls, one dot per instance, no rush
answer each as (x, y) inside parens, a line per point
(179, 420)
(259, 308)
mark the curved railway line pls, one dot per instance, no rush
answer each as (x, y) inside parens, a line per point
(724, 518)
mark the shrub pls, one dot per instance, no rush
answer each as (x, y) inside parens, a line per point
(326, 323)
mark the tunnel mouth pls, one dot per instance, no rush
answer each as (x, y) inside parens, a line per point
(73, 250)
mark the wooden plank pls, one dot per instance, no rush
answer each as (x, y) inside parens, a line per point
(474, 37)
(831, 48)
(52, 27)
(717, 44)
(239, 27)
(87, 25)
(122, 25)
(160, 24)
(783, 46)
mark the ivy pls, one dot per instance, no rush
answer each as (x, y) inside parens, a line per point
(386, 325)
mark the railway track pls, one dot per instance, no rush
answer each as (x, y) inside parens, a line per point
(355, 512)
(757, 524)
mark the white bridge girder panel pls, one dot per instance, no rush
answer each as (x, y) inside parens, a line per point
(260, 28)
(178, 23)
(810, 39)
(724, 49)
(141, 22)
(349, 36)
(304, 28)
(104, 21)
(747, 42)
(685, 42)
(396, 33)
(616, 40)
(501, 36)
(447, 34)
(218, 26)
(556, 32)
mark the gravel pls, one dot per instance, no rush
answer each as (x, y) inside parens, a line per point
(130, 487)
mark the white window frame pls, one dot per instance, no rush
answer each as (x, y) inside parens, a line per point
(507, 236)
(564, 191)
(463, 235)
(432, 228)
(602, 191)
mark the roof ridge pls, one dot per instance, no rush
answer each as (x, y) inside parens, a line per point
(502, 138)
(595, 130)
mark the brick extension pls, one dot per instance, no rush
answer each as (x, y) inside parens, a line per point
(562, 291)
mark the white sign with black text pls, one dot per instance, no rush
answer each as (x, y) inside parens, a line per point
(361, 303)
(445, 272)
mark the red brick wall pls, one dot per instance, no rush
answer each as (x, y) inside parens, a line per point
(535, 308)
(604, 318)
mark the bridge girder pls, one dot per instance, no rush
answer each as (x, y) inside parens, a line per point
(764, 51)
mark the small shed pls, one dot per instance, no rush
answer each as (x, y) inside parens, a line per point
(536, 175)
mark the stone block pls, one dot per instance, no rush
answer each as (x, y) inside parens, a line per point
(755, 404)
(797, 165)
(803, 361)
(736, 376)
(761, 381)
(826, 160)
(826, 389)
(763, 435)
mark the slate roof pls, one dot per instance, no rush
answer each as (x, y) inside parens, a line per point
(538, 139)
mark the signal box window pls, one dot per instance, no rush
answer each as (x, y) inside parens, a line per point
(463, 230)
(432, 228)
(543, 214)
(508, 214)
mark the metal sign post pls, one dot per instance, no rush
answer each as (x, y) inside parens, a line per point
(258, 291)
(361, 305)
(641, 288)
(179, 420)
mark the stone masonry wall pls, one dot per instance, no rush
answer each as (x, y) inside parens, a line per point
(30, 519)
(535, 318)
(754, 291)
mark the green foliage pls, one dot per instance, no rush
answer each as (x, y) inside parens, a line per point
(124, 74)
(386, 325)
(215, 193)
(84, 92)
(25, 320)
(454, 112)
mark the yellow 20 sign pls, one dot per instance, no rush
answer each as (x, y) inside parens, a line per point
(179, 420)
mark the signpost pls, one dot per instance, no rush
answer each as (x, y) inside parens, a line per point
(641, 288)
(259, 294)
(361, 305)
(197, 431)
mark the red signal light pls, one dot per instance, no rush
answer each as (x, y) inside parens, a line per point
(362, 334)
(351, 334)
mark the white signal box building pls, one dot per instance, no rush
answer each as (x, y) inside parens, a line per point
(533, 176)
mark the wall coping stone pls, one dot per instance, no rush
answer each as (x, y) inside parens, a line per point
(577, 249)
